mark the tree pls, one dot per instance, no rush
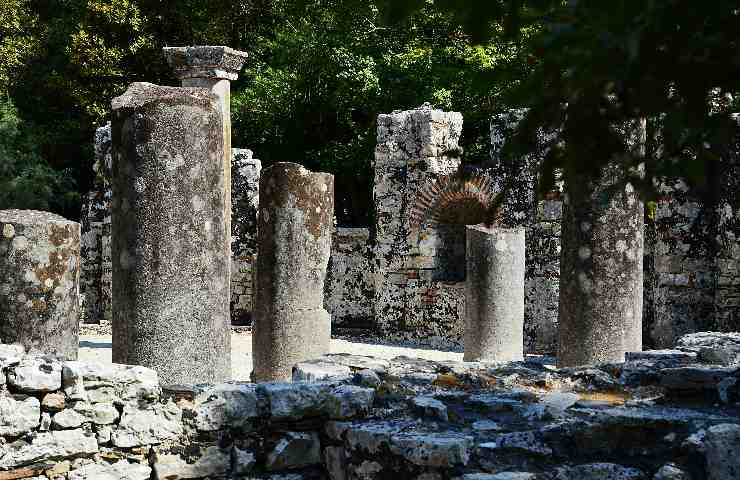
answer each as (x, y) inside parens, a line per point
(334, 66)
(599, 70)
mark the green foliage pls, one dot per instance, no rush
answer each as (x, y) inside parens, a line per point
(333, 66)
(26, 181)
(598, 66)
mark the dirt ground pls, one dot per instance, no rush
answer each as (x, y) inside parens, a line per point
(97, 347)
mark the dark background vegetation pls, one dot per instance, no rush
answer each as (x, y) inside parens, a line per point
(320, 71)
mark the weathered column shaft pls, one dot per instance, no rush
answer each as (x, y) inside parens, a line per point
(213, 68)
(494, 301)
(39, 281)
(601, 277)
(294, 241)
(171, 241)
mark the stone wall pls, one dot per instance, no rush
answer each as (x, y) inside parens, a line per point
(692, 274)
(418, 293)
(349, 287)
(348, 417)
(519, 177)
(95, 274)
(245, 176)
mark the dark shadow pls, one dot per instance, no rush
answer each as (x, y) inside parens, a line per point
(370, 338)
(88, 344)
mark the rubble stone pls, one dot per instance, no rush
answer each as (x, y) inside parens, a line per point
(48, 446)
(18, 415)
(721, 445)
(121, 470)
(214, 463)
(151, 425)
(36, 375)
(294, 450)
(713, 347)
(226, 406)
(599, 471)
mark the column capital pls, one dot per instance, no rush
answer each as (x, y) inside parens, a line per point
(217, 62)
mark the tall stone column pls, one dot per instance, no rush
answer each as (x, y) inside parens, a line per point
(39, 281)
(170, 235)
(293, 243)
(214, 68)
(601, 268)
(494, 301)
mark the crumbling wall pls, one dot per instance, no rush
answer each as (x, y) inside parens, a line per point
(245, 177)
(680, 266)
(727, 294)
(518, 177)
(354, 417)
(348, 291)
(95, 245)
(417, 293)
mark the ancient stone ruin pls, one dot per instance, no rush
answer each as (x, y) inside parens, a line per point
(662, 415)
(691, 275)
(503, 414)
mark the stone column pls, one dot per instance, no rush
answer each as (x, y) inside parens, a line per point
(293, 240)
(39, 281)
(214, 68)
(601, 268)
(494, 300)
(170, 239)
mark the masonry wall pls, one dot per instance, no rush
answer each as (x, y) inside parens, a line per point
(245, 176)
(417, 293)
(95, 247)
(519, 178)
(349, 287)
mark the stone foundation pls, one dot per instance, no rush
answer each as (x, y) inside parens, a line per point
(352, 417)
